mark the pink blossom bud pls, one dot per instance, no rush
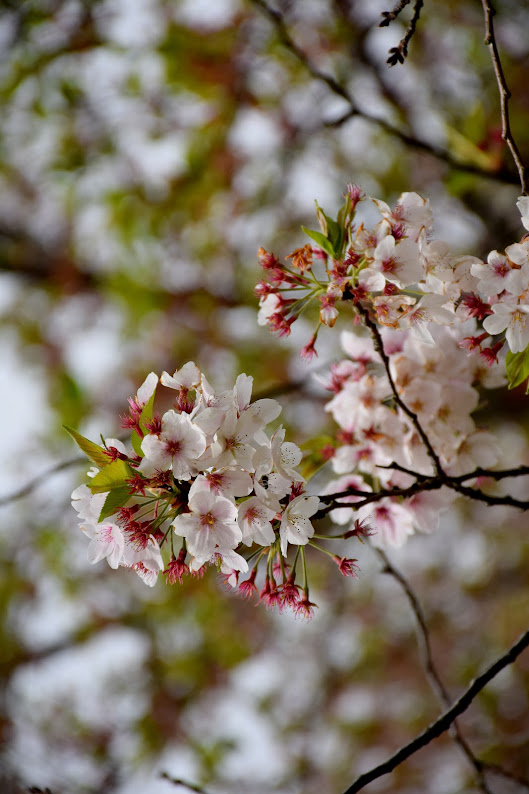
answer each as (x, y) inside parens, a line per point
(176, 569)
(305, 608)
(348, 567)
(308, 352)
(490, 354)
(248, 588)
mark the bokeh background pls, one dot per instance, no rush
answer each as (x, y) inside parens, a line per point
(147, 149)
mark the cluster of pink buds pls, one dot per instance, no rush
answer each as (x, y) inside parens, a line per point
(202, 484)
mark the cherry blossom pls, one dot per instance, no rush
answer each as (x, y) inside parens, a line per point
(254, 519)
(211, 524)
(295, 525)
(523, 206)
(177, 447)
(512, 318)
(106, 541)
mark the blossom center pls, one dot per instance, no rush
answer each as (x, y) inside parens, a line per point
(173, 447)
(502, 269)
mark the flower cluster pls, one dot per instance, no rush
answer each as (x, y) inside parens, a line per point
(436, 324)
(206, 478)
(204, 483)
(378, 443)
(406, 279)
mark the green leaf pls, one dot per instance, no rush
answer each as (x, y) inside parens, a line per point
(332, 230)
(111, 477)
(136, 443)
(343, 214)
(145, 416)
(322, 220)
(93, 451)
(116, 498)
(147, 412)
(336, 237)
(322, 241)
(517, 367)
(313, 460)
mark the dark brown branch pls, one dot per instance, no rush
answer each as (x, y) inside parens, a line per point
(423, 484)
(445, 720)
(431, 672)
(474, 493)
(354, 111)
(176, 781)
(404, 470)
(505, 95)
(501, 474)
(431, 484)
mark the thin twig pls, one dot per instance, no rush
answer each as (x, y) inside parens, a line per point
(496, 769)
(397, 467)
(444, 722)
(379, 347)
(176, 781)
(505, 95)
(354, 111)
(500, 474)
(399, 53)
(389, 16)
(432, 674)
(39, 480)
(488, 499)
(423, 635)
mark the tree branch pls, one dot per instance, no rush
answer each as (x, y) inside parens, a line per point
(444, 722)
(406, 138)
(488, 499)
(505, 95)
(176, 781)
(389, 16)
(367, 497)
(40, 479)
(436, 683)
(399, 53)
(500, 474)
(379, 347)
(423, 484)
